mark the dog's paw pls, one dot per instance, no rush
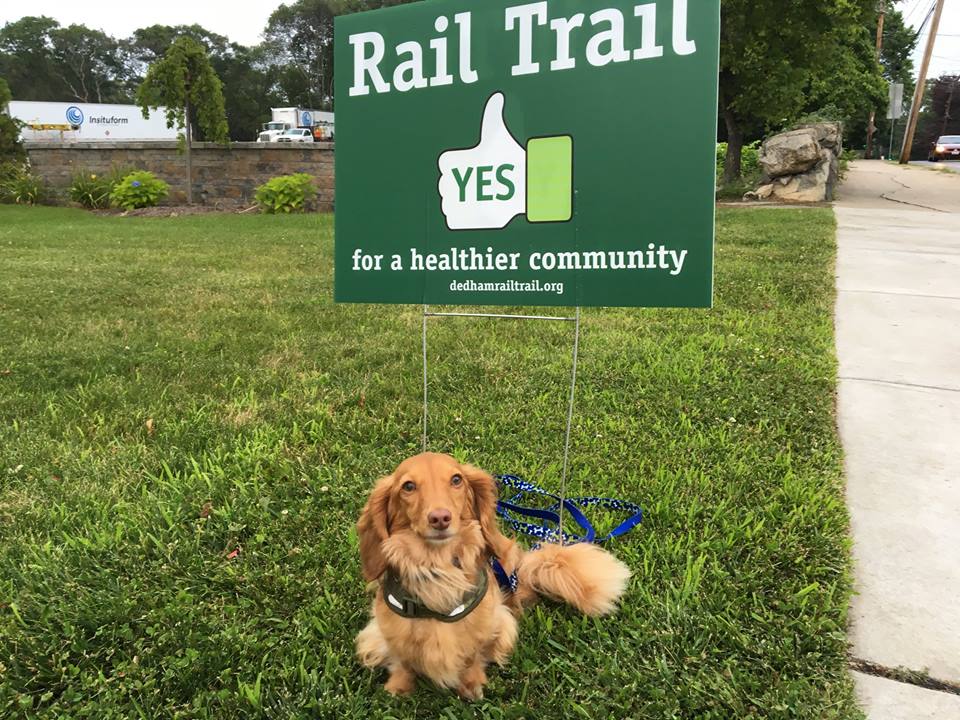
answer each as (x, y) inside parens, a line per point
(398, 689)
(472, 682)
(401, 682)
(471, 692)
(372, 648)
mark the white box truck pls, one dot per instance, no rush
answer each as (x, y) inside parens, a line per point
(83, 122)
(291, 118)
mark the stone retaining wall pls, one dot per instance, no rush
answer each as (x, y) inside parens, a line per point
(224, 176)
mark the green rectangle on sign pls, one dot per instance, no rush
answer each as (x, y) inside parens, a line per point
(543, 153)
(550, 179)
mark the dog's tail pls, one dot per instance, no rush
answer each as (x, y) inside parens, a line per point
(583, 575)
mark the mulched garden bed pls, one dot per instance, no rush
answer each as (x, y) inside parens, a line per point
(175, 211)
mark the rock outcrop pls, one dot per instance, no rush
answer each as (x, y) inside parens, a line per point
(801, 165)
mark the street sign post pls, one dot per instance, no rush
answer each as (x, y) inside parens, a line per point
(548, 153)
(895, 108)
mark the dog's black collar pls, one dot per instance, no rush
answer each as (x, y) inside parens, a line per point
(406, 605)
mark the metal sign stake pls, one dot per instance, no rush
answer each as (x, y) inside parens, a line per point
(566, 442)
(425, 316)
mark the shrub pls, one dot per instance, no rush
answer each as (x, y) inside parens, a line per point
(92, 190)
(11, 149)
(828, 113)
(286, 194)
(846, 157)
(9, 169)
(749, 159)
(19, 185)
(139, 189)
(749, 171)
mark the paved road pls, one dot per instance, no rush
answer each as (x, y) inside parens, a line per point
(898, 345)
(951, 165)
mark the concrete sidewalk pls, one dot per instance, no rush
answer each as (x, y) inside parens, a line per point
(898, 344)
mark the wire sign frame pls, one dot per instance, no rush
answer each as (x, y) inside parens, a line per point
(574, 361)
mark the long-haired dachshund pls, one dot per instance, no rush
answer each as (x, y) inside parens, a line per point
(427, 533)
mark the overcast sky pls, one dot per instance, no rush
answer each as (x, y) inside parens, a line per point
(243, 22)
(946, 52)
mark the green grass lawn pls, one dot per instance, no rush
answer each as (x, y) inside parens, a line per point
(174, 390)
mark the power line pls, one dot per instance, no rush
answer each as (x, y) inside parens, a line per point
(926, 19)
(908, 15)
(923, 25)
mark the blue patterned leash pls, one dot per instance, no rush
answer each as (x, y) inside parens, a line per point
(509, 510)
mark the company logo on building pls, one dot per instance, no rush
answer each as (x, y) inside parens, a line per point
(74, 115)
(108, 120)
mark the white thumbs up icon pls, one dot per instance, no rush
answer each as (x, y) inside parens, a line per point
(484, 187)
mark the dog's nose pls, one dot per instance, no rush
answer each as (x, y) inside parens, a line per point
(439, 519)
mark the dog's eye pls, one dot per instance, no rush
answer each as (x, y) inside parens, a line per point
(409, 486)
(456, 480)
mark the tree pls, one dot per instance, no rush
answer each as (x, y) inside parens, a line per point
(26, 59)
(300, 37)
(896, 59)
(249, 82)
(777, 58)
(150, 43)
(940, 114)
(91, 64)
(183, 81)
(851, 79)
(899, 43)
(44, 61)
(11, 149)
(249, 89)
(945, 105)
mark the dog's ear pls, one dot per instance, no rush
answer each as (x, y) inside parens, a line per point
(484, 490)
(373, 528)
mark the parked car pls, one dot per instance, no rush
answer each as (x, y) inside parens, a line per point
(300, 135)
(946, 147)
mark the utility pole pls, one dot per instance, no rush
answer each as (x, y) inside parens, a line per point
(871, 128)
(921, 85)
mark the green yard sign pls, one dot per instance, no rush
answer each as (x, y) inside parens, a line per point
(547, 153)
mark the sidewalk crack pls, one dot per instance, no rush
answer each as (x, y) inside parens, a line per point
(905, 202)
(904, 675)
(894, 383)
(900, 294)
